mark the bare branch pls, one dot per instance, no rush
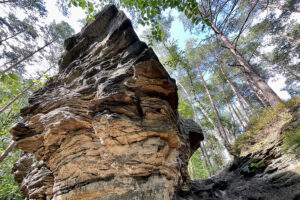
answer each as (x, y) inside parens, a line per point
(7, 150)
(242, 29)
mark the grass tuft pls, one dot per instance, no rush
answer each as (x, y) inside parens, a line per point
(266, 118)
(291, 140)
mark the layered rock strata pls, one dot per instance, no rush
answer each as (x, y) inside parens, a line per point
(106, 127)
(261, 171)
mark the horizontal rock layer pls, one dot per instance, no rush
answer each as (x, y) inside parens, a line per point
(107, 127)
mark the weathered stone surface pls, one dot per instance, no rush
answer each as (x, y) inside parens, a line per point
(262, 171)
(107, 126)
(35, 179)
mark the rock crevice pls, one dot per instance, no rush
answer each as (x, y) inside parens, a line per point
(106, 126)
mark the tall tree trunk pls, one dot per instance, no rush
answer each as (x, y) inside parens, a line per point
(241, 104)
(248, 104)
(190, 100)
(272, 97)
(291, 73)
(7, 150)
(255, 92)
(232, 120)
(220, 155)
(236, 114)
(242, 97)
(210, 120)
(277, 6)
(214, 159)
(16, 98)
(240, 114)
(196, 120)
(192, 172)
(237, 94)
(289, 37)
(217, 114)
(208, 158)
(230, 136)
(16, 34)
(205, 160)
(28, 56)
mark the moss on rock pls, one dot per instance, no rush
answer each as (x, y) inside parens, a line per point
(256, 134)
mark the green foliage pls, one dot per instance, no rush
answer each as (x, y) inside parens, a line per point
(4, 78)
(197, 167)
(257, 165)
(185, 110)
(291, 140)
(85, 5)
(266, 118)
(8, 187)
(253, 168)
(151, 12)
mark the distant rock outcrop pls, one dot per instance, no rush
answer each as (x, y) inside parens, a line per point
(262, 170)
(106, 127)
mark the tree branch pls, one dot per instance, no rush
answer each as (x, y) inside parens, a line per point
(7, 150)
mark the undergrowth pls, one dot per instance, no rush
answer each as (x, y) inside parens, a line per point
(266, 118)
(291, 140)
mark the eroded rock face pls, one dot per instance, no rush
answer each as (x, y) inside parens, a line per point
(106, 127)
(36, 180)
(262, 171)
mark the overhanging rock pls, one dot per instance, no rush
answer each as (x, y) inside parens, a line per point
(107, 126)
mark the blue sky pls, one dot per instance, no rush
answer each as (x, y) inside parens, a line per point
(177, 32)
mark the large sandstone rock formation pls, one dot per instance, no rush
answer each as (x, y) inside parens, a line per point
(106, 127)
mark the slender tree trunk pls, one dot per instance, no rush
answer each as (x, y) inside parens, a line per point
(242, 106)
(205, 160)
(254, 91)
(220, 155)
(1, 41)
(192, 172)
(20, 94)
(190, 100)
(237, 94)
(236, 114)
(248, 104)
(272, 97)
(210, 120)
(230, 136)
(28, 56)
(196, 120)
(289, 37)
(214, 159)
(277, 6)
(208, 159)
(7, 150)
(240, 114)
(16, 98)
(217, 114)
(232, 121)
(291, 73)
(242, 97)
